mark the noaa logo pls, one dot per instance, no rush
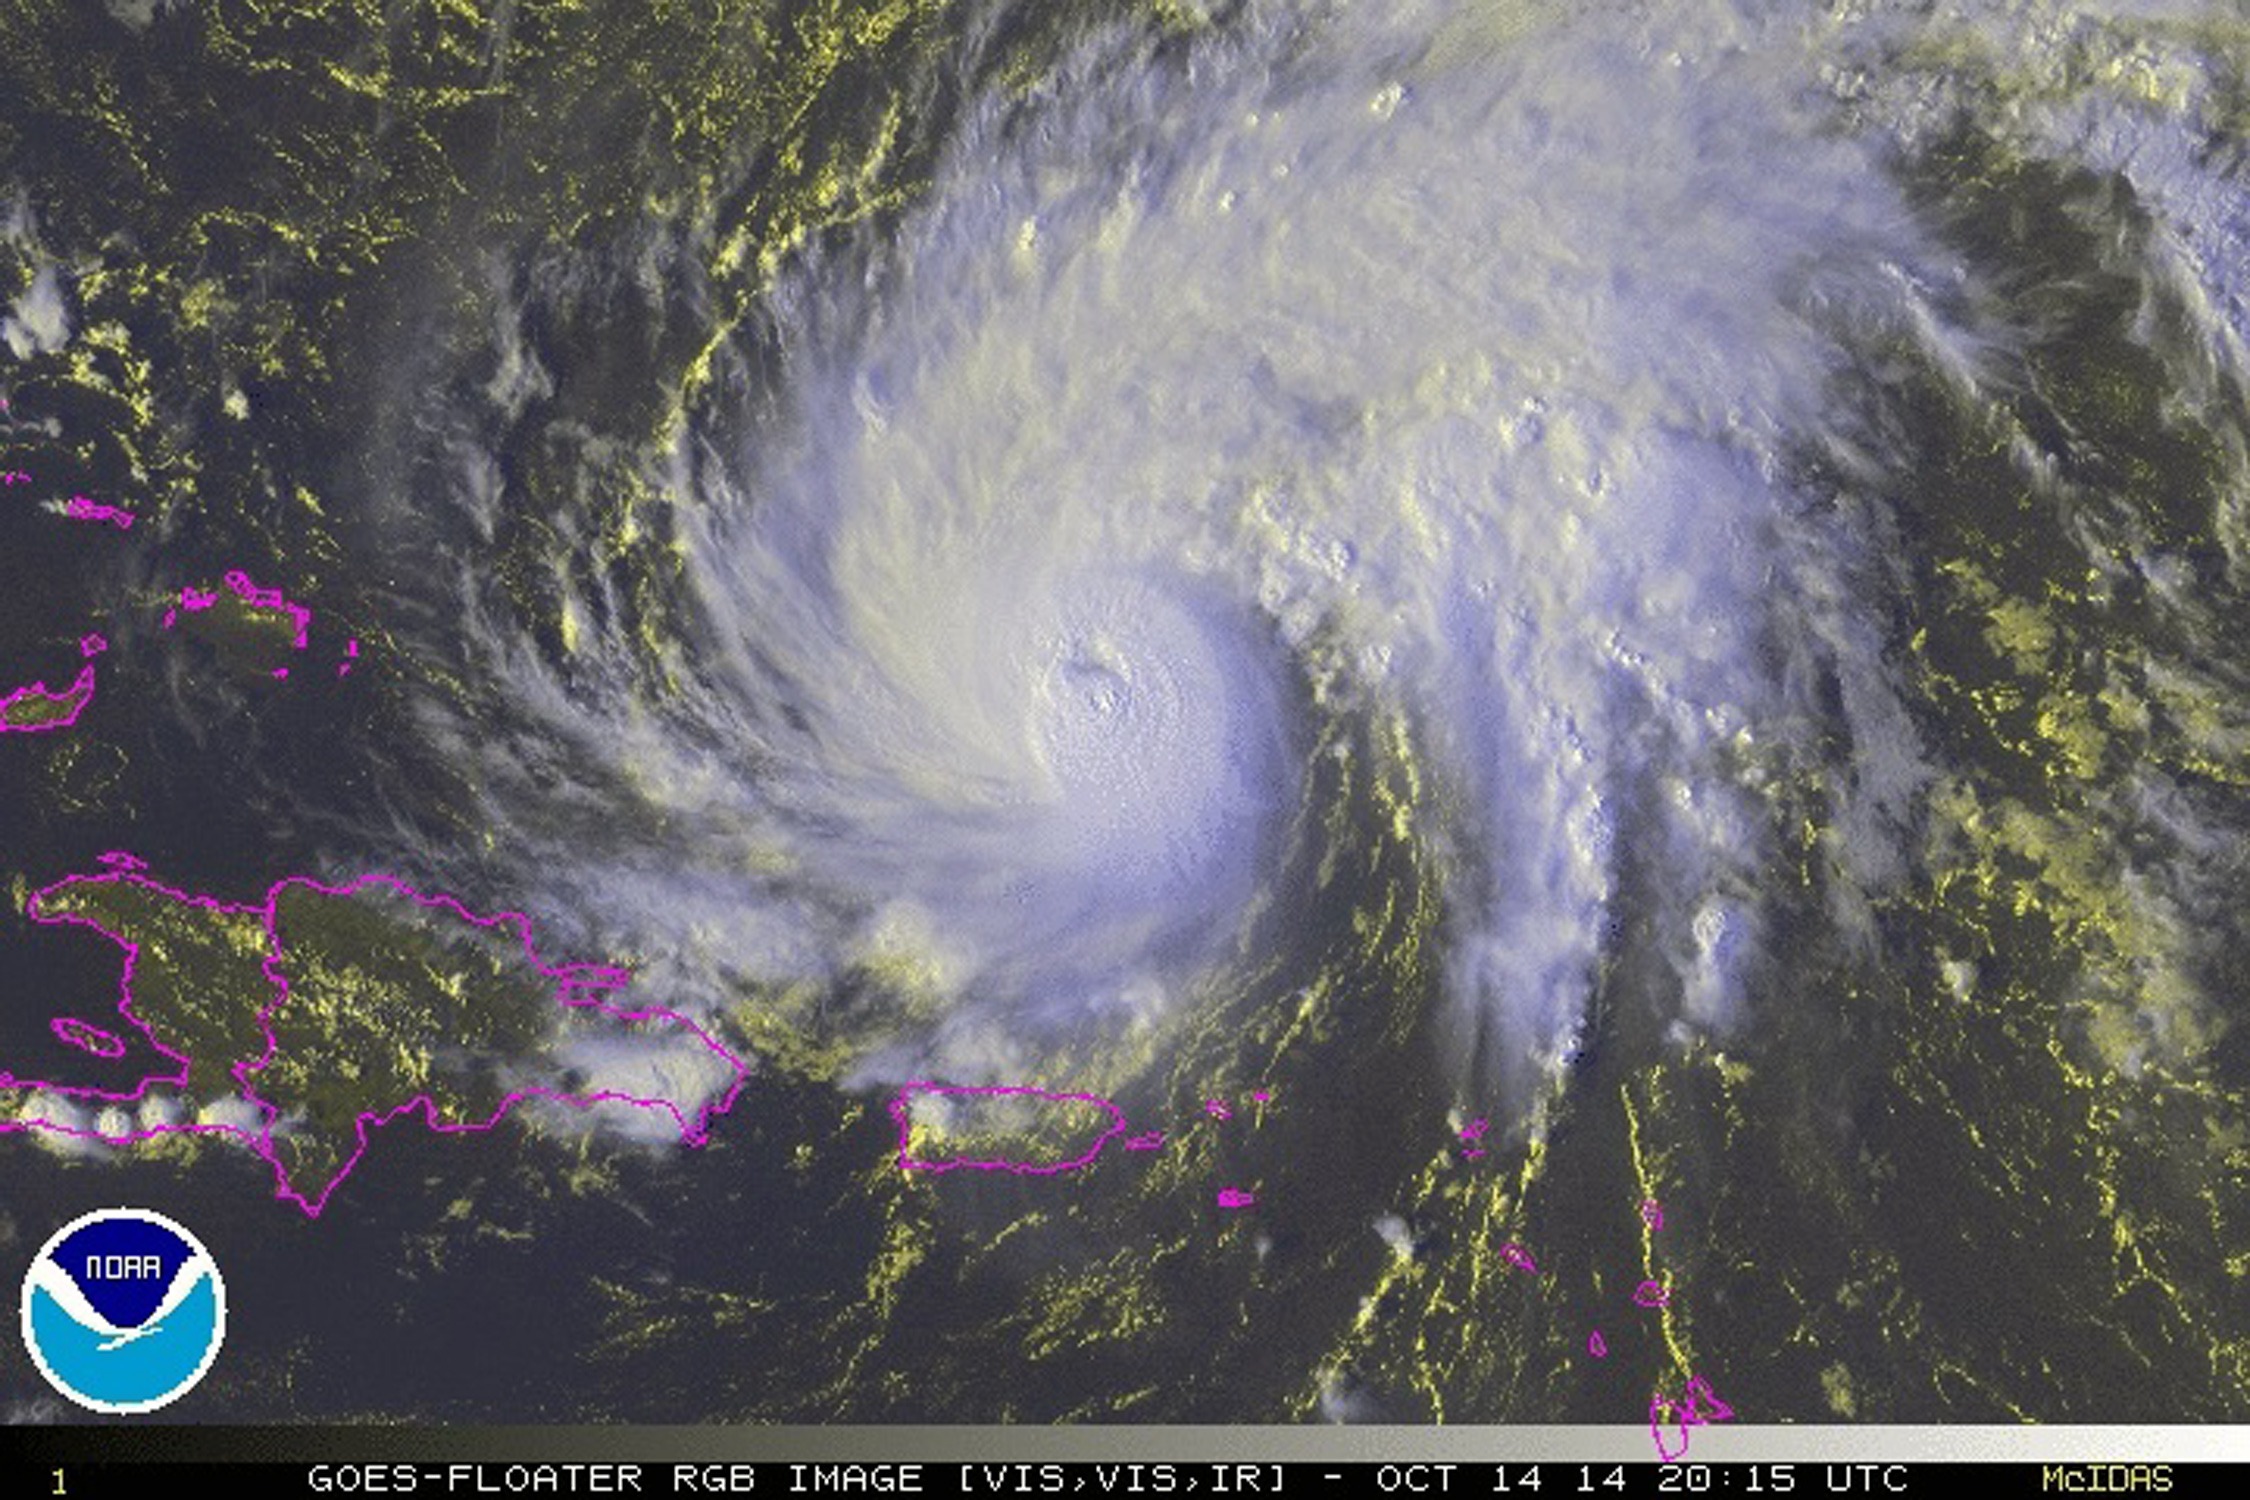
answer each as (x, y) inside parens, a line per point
(123, 1310)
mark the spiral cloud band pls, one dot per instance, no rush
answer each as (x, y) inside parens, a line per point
(1457, 370)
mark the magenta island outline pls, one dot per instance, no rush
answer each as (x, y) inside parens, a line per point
(69, 704)
(902, 1105)
(82, 508)
(576, 985)
(74, 698)
(238, 582)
